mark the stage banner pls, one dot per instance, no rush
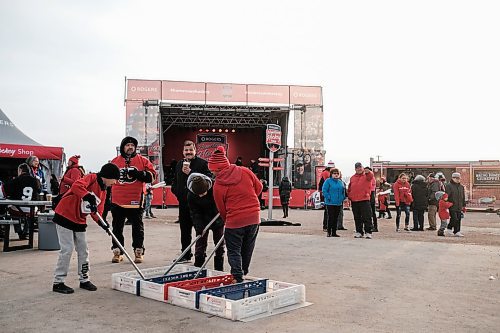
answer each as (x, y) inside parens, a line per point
(301, 95)
(226, 93)
(142, 123)
(308, 128)
(304, 167)
(143, 89)
(183, 91)
(207, 143)
(267, 94)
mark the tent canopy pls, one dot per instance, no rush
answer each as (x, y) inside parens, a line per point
(15, 144)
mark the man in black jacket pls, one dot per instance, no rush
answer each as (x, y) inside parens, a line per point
(191, 163)
(203, 209)
(24, 187)
(456, 195)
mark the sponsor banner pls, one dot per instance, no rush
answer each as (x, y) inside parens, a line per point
(226, 93)
(305, 95)
(304, 167)
(143, 89)
(273, 137)
(489, 177)
(206, 144)
(183, 91)
(259, 93)
(308, 128)
(24, 151)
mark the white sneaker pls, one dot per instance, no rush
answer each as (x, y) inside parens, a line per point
(369, 236)
(459, 234)
(449, 232)
(398, 230)
(358, 235)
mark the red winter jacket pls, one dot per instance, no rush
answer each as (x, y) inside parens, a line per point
(360, 187)
(443, 210)
(383, 201)
(129, 193)
(72, 174)
(402, 192)
(70, 205)
(236, 194)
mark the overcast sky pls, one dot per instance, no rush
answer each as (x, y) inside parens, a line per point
(406, 80)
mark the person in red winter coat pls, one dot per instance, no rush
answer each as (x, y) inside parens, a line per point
(443, 211)
(403, 198)
(359, 191)
(71, 175)
(127, 197)
(71, 224)
(236, 194)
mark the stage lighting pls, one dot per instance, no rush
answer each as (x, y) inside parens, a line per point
(213, 129)
(207, 130)
(233, 130)
(220, 130)
(200, 130)
(226, 130)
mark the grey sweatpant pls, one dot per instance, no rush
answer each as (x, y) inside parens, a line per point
(69, 239)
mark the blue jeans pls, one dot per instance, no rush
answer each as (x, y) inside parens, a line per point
(406, 208)
(240, 243)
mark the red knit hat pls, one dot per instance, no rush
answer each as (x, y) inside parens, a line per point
(218, 160)
(74, 159)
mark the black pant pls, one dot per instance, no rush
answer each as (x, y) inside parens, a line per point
(240, 243)
(362, 216)
(455, 221)
(325, 219)
(186, 225)
(200, 247)
(374, 211)
(333, 217)
(134, 216)
(285, 210)
(418, 219)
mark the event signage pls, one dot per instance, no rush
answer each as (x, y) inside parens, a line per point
(226, 93)
(273, 137)
(487, 177)
(207, 143)
(143, 89)
(24, 151)
(301, 95)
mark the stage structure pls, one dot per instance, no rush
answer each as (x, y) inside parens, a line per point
(162, 114)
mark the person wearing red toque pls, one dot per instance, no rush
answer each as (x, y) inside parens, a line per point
(71, 175)
(236, 192)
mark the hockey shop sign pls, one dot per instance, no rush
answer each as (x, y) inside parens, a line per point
(273, 137)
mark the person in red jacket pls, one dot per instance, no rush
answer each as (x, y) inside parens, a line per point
(359, 191)
(443, 211)
(71, 175)
(236, 194)
(71, 224)
(403, 198)
(127, 197)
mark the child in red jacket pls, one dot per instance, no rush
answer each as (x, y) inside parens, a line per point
(443, 211)
(71, 224)
(236, 194)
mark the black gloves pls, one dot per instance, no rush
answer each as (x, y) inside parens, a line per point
(142, 176)
(90, 198)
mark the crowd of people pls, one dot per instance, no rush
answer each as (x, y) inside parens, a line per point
(226, 196)
(432, 195)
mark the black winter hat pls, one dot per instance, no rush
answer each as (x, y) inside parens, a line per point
(199, 185)
(109, 171)
(128, 139)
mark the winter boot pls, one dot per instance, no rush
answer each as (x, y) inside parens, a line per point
(442, 227)
(139, 256)
(199, 260)
(219, 263)
(117, 256)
